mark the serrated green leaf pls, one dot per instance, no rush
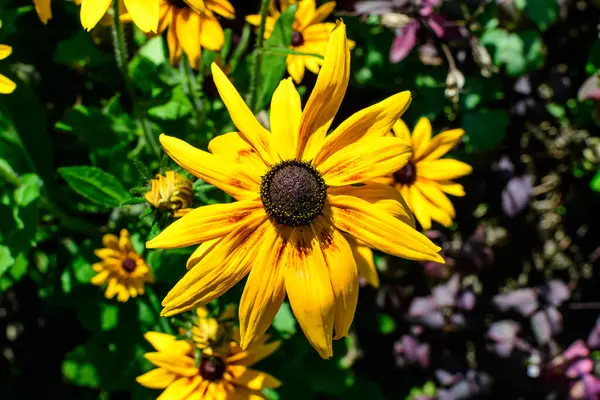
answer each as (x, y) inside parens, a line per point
(95, 185)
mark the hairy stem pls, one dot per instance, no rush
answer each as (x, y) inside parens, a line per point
(260, 41)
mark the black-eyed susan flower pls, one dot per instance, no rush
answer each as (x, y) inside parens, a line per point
(212, 334)
(309, 33)
(214, 377)
(297, 194)
(6, 85)
(171, 192)
(122, 268)
(426, 179)
(144, 13)
(192, 25)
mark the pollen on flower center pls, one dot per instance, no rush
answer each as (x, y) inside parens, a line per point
(212, 368)
(293, 192)
(297, 39)
(178, 3)
(129, 265)
(407, 174)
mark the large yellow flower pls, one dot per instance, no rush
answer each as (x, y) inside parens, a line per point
(216, 377)
(171, 192)
(310, 34)
(122, 267)
(191, 25)
(6, 85)
(426, 178)
(299, 191)
(144, 13)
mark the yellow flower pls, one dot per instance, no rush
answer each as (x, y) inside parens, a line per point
(122, 267)
(310, 34)
(6, 85)
(171, 192)
(211, 334)
(144, 13)
(298, 191)
(426, 178)
(216, 377)
(191, 25)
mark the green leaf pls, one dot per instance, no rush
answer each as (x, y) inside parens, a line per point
(387, 324)
(79, 49)
(95, 185)
(93, 126)
(178, 106)
(6, 260)
(109, 316)
(519, 52)
(29, 190)
(543, 12)
(133, 201)
(484, 129)
(284, 321)
(273, 65)
(595, 182)
(77, 369)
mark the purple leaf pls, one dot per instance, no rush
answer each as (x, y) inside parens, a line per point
(436, 23)
(435, 320)
(594, 339)
(523, 300)
(404, 42)
(516, 195)
(373, 7)
(587, 388)
(445, 295)
(579, 368)
(546, 323)
(589, 90)
(556, 292)
(466, 301)
(446, 378)
(421, 306)
(504, 334)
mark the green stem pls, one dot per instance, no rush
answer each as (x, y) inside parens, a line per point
(284, 52)
(156, 307)
(241, 48)
(121, 58)
(189, 80)
(260, 40)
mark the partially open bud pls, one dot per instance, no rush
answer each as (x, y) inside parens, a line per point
(171, 192)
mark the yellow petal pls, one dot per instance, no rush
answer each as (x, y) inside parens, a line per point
(286, 112)
(420, 137)
(174, 45)
(166, 343)
(295, 67)
(158, 378)
(385, 197)
(250, 129)
(107, 253)
(365, 263)
(454, 189)
(441, 216)
(342, 272)
(327, 95)
(221, 7)
(144, 13)
(309, 290)
(201, 252)
(100, 278)
(212, 36)
(206, 223)
(213, 169)
(220, 270)
(6, 85)
(233, 147)
(420, 206)
(42, 7)
(5, 51)
(317, 36)
(304, 13)
(92, 11)
(187, 28)
(379, 230)
(365, 160)
(112, 288)
(180, 389)
(256, 380)
(444, 169)
(172, 362)
(264, 291)
(400, 130)
(372, 122)
(111, 241)
(434, 194)
(322, 12)
(124, 241)
(253, 354)
(442, 143)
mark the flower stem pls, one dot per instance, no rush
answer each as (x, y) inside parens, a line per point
(284, 52)
(260, 40)
(121, 58)
(156, 307)
(189, 82)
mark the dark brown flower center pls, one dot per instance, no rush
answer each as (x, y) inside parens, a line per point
(129, 265)
(212, 368)
(178, 3)
(293, 192)
(407, 174)
(297, 39)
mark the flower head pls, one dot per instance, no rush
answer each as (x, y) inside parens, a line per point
(309, 33)
(192, 25)
(211, 333)
(144, 13)
(215, 376)
(299, 193)
(6, 85)
(122, 267)
(425, 179)
(171, 192)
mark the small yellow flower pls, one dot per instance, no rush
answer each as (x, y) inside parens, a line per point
(310, 34)
(426, 178)
(211, 334)
(192, 25)
(216, 376)
(144, 13)
(122, 267)
(299, 193)
(171, 192)
(6, 85)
